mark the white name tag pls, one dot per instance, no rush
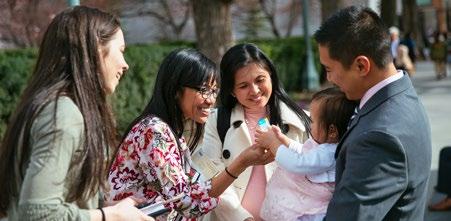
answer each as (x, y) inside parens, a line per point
(204, 165)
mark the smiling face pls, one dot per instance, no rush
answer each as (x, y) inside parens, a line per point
(347, 80)
(194, 106)
(113, 62)
(337, 74)
(252, 87)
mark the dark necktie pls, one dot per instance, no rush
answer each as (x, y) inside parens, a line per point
(356, 111)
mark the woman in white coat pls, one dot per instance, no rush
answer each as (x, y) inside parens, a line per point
(250, 90)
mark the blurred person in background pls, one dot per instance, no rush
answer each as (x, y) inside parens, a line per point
(403, 62)
(410, 44)
(439, 52)
(394, 41)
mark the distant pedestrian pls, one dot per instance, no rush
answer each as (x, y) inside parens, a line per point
(410, 43)
(439, 52)
(403, 62)
(394, 41)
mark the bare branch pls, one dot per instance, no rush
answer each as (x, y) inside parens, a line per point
(270, 12)
(164, 12)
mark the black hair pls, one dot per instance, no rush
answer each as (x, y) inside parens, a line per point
(355, 31)
(334, 109)
(181, 68)
(242, 55)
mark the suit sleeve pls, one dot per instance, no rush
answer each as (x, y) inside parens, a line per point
(229, 207)
(374, 176)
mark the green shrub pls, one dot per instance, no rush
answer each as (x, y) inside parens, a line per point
(15, 68)
(136, 86)
(288, 55)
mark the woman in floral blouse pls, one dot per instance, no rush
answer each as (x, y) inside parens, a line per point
(153, 162)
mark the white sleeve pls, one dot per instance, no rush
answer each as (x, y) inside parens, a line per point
(317, 160)
(229, 207)
(295, 146)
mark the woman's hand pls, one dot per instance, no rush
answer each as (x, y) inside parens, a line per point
(255, 155)
(125, 210)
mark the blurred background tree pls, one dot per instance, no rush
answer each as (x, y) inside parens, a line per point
(274, 9)
(388, 12)
(23, 22)
(213, 24)
(329, 7)
(171, 15)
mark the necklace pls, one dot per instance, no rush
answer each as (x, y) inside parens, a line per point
(251, 119)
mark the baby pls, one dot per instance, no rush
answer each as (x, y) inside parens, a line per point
(303, 183)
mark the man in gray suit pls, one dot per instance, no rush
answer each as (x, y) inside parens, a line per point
(383, 160)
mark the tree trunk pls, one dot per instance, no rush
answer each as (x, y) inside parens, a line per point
(388, 12)
(410, 19)
(213, 27)
(409, 16)
(440, 7)
(269, 8)
(329, 7)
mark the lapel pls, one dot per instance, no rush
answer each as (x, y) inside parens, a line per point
(376, 100)
(237, 118)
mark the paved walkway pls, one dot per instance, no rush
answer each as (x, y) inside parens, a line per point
(436, 97)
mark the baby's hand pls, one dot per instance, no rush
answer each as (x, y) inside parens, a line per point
(280, 136)
(268, 139)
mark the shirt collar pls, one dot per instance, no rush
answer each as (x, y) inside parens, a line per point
(373, 90)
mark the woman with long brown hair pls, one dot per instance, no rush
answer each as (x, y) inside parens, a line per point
(54, 155)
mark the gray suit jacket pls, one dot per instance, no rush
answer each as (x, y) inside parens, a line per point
(384, 159)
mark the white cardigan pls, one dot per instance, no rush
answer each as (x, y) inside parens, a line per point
(211, 159)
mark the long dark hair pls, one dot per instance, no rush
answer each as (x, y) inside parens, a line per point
(181, 68)
(242, 55)
(68, 64)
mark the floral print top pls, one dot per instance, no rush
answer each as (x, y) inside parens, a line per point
(150, 165)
